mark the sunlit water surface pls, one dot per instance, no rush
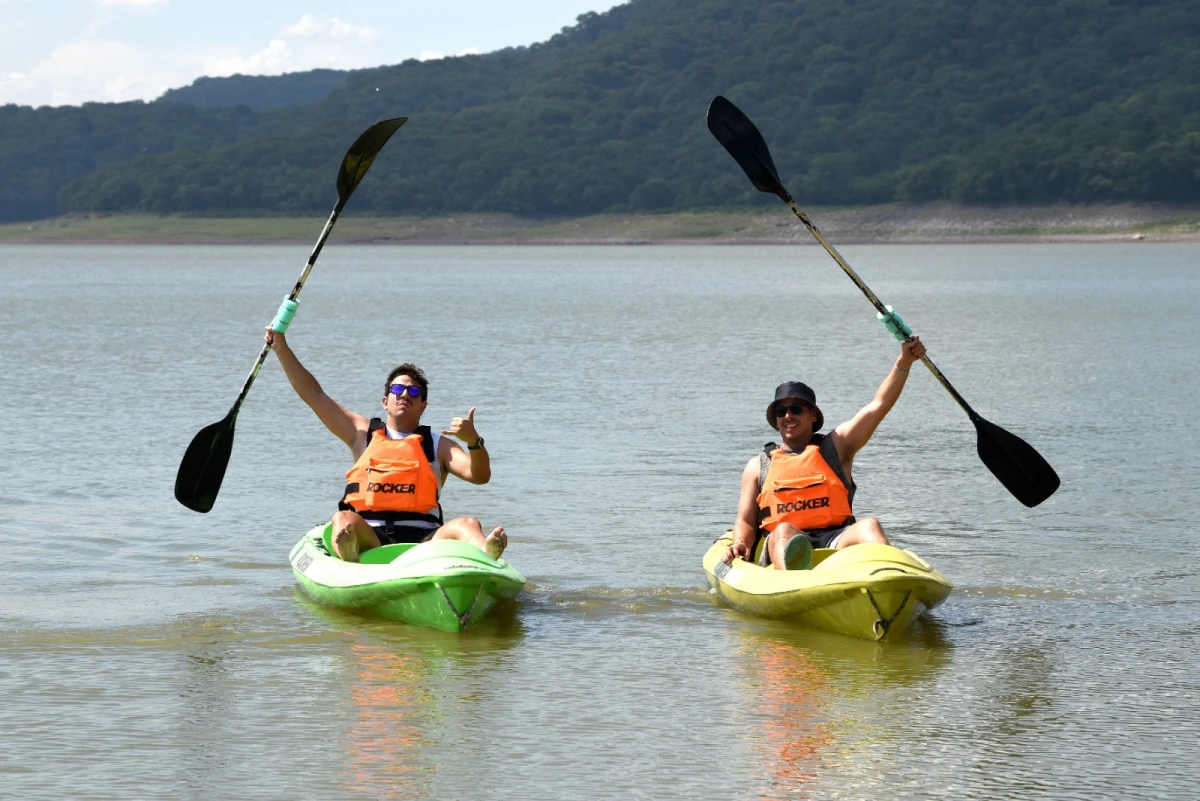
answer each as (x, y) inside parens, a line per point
(150, 652)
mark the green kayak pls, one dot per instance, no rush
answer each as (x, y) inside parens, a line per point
(446, 584)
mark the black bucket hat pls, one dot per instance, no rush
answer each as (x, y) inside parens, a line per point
(794, 389)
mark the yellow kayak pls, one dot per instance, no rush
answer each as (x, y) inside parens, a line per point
(870, 591)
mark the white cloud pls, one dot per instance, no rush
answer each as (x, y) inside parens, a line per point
(131, 3)
(77, 72)
(310, 27)
(433, 55)
(310, 43)
(274, 59)
(97, 69)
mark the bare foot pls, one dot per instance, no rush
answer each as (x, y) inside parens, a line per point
(495, 543)
(345, 543)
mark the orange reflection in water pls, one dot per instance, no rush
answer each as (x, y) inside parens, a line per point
(386, 745)
(792, 736)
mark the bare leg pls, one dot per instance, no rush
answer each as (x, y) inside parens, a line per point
(351, 536)
(777, 544)
(469, 530)
(865, 530)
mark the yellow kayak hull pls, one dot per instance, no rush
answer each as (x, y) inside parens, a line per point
(869, 591)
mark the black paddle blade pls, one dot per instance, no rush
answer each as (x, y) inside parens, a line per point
(1020, 468)
(738, 135)
(203, 467)
(362, 153)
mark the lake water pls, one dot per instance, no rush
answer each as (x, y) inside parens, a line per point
(151, 652)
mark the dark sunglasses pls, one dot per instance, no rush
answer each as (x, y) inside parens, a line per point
(797, 409)
(400, 390)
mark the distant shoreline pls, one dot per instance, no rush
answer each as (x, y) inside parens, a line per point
(891, 224)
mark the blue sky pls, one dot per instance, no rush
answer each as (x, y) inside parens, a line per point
(67, 52)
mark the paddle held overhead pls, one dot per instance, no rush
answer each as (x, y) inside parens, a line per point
(1019, 467)
(203, 467)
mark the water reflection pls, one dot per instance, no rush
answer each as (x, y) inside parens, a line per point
(408, 690)
(206, 710)
(793, 734)
(395, 716)
(816, 699)
(1015, 713)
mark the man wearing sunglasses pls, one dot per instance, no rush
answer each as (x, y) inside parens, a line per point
(799, 495)
(393, 489)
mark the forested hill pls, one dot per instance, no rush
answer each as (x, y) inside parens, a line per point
(259, 92)
(861, 102)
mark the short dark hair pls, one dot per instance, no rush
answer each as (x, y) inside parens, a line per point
(413, 372)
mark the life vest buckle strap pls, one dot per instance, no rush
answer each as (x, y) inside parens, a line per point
(392, 518)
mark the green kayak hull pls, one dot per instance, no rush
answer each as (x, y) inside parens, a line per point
(445, 584)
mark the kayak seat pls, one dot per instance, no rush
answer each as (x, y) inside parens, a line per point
(383, 555)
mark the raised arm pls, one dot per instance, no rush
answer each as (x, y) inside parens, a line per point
(745, 528)
(345, 425)
(853, 434)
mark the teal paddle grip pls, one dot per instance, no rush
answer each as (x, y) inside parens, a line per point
(895, 323)
(283, 317)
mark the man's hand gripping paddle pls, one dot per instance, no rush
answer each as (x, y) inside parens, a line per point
(203, 467)
(1020, 468)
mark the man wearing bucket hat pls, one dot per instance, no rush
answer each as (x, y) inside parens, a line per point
(799, 495)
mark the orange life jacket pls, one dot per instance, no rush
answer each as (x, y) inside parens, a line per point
(804, 489)
(394, 480)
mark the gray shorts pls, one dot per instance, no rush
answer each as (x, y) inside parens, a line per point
(820, 538)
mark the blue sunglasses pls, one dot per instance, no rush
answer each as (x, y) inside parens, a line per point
(400, 390)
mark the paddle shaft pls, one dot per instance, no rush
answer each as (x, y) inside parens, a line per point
(262, 355)
(878, 304)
